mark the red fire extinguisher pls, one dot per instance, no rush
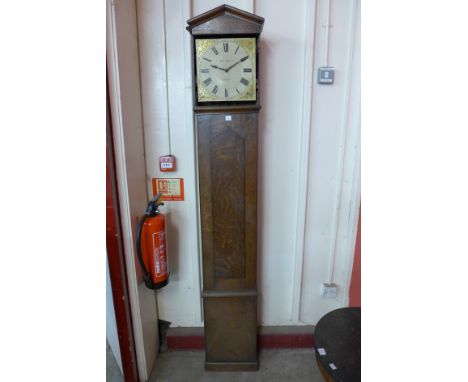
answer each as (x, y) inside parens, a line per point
(151, 245)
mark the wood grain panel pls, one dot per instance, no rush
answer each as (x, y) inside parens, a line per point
(231, 329)
(227, 155)
(227, 161)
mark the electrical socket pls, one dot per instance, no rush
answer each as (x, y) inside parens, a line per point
(329, 290)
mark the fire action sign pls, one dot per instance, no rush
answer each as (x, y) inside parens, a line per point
(172, 189)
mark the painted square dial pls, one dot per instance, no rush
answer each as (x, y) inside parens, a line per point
(226, 69)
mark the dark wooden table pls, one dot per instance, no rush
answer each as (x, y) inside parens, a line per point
(338, 345)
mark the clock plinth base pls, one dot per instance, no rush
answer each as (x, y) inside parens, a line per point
(231, 366)
(230, 331)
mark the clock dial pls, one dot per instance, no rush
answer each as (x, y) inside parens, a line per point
(226, 69)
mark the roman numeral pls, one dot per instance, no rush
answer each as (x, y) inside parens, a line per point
(244, 81)
(215, 89)
(247, 70)
(226, 93)
(207, 81)
(244, 58)
(226, 46)
(236, 50)
(237, 90)
(207, 59)
(215, 50)
(208, 70)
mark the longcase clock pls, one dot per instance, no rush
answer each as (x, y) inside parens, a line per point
(226, 104)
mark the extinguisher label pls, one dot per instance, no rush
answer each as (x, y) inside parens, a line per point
(159, 247)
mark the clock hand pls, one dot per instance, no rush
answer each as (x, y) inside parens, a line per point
(238, 62)
(217, 67)
(228, 69)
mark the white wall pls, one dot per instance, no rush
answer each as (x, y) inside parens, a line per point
(334, 163)
(309, 154)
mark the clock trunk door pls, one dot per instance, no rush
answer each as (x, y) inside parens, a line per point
(227, 159)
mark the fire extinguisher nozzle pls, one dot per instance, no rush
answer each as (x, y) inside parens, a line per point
(153, 205)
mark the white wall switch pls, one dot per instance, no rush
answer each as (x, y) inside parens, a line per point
(329, 290)
(326, 75)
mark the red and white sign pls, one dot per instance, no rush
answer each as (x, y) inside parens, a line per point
(172, 189)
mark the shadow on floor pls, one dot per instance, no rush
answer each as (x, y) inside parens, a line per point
(282, 365)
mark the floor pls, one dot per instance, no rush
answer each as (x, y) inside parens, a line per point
(282, 365)
(113, 373)
(290, 365)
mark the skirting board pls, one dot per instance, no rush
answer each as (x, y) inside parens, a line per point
(270, 337)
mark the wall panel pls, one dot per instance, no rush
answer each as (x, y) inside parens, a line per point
(168, 125)
(334, 164)
(280, 121)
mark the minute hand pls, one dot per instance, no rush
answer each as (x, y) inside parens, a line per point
(238, 62)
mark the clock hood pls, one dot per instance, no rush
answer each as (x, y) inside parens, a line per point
(225, 20)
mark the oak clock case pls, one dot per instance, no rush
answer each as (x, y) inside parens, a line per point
(225, 88)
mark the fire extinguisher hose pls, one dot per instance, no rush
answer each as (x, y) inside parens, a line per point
(146, 276)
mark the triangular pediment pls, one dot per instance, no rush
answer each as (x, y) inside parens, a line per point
(225, 20)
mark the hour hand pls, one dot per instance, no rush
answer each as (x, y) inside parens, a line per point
(217, 67)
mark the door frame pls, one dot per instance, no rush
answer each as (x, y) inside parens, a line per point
(128, 141)
(116, 261)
